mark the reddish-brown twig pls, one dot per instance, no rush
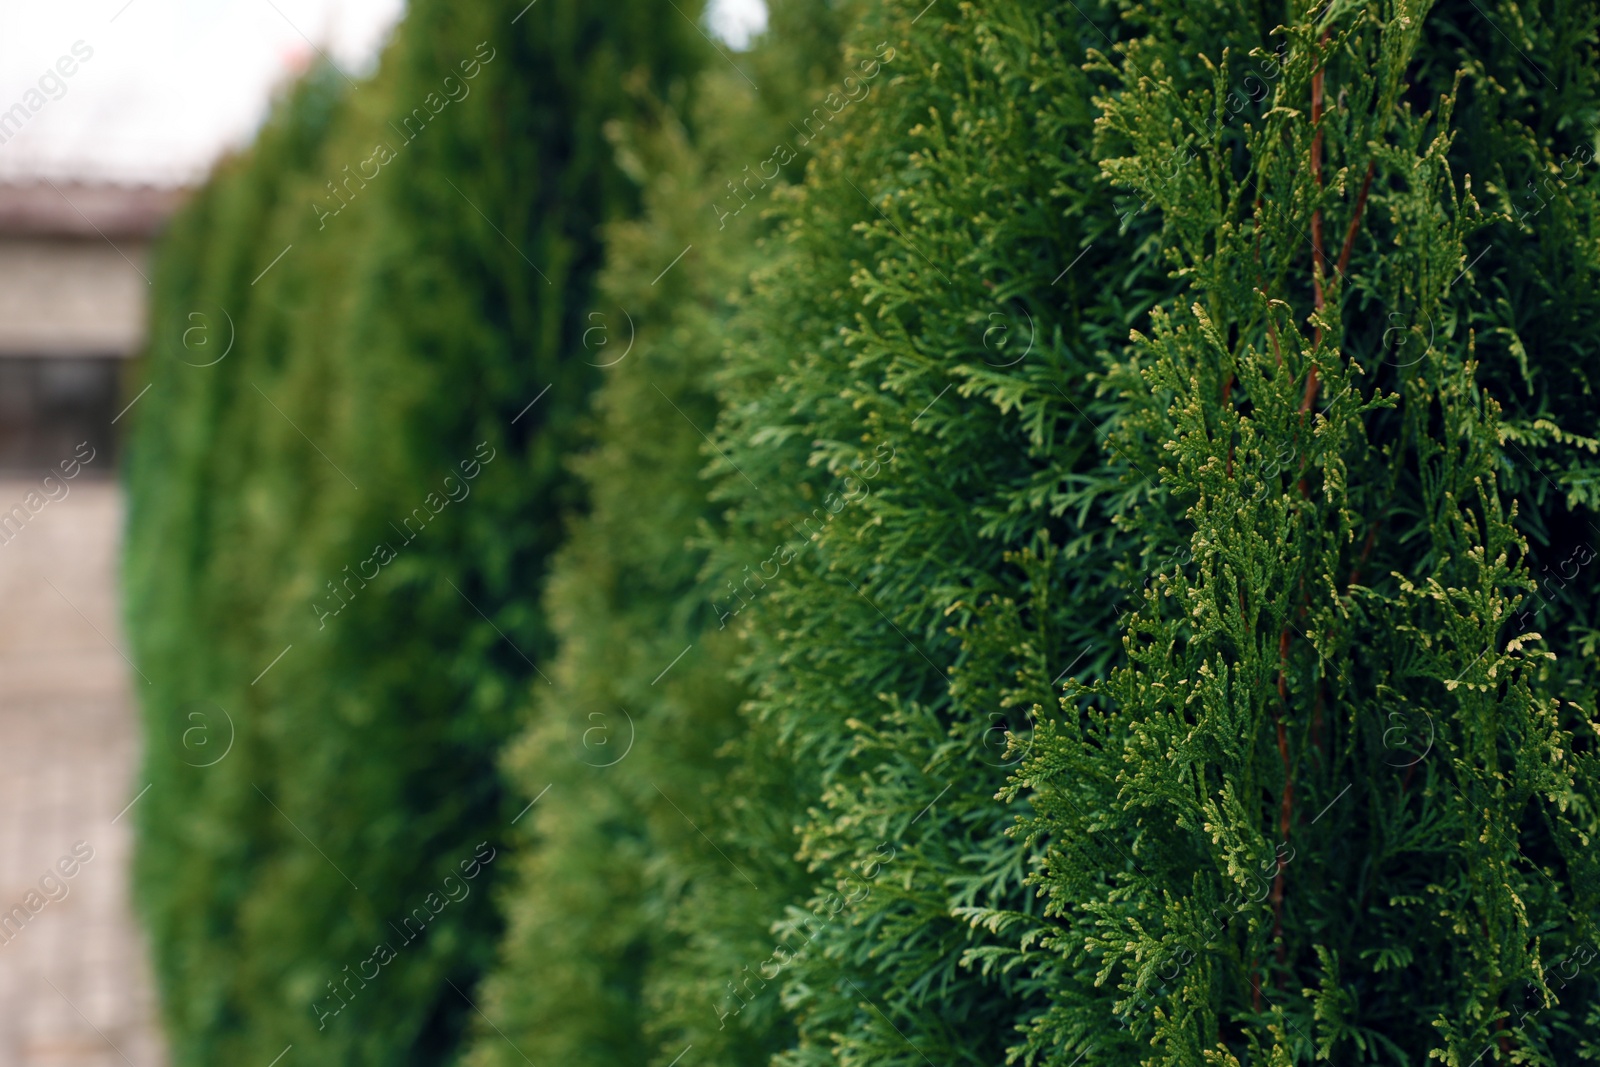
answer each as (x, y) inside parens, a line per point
(1355, 219)
(1286, 811)
(1366, 554)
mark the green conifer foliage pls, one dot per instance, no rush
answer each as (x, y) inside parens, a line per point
(1333, 552)
(627, 721)
(1143, 612)
(338, 532)
(658, 847)
(922, 542)
(1336, 801)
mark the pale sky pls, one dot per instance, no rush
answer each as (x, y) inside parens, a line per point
(736, 20)
(171, 84)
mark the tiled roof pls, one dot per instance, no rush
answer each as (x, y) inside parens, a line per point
(71, 209)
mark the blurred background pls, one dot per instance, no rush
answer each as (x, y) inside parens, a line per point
(125, 106)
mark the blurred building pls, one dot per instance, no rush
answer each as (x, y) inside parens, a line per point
(74, 282)
(73, 975)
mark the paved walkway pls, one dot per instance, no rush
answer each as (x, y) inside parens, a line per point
(75, 989)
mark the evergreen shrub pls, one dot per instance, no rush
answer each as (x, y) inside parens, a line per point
(338, 531)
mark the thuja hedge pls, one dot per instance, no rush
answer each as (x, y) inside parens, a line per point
(911, 441)
(623, 914)
(1337, 800)
(1279, 540)
(345, 481)
(1142, 611)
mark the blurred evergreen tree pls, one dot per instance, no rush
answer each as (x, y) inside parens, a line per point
(659, 843)
(338, 532)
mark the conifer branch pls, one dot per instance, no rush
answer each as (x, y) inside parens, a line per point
(1272, 327)
(1286, 808)
(1286, 811)
(1366, 554)
(1227, 389)
(1317, 254)
(1355, 220)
